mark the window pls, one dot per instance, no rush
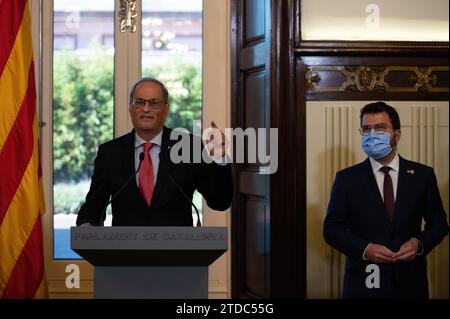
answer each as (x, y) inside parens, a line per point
(65, 42)
(83, 106)
(172, 52)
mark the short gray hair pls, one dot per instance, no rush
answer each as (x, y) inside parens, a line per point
(148, 79)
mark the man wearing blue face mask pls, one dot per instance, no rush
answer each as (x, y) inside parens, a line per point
(376, 210)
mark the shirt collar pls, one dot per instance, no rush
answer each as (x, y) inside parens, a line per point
(394, 164)
(139, 141)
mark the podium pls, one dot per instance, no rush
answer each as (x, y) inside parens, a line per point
(150, 262)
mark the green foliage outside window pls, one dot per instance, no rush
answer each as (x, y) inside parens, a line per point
(82, 112)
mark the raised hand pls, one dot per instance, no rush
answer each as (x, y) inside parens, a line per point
(216, 144)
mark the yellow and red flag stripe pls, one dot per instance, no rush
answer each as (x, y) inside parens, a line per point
(22, 273)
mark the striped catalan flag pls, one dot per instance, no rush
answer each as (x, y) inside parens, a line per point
(22, 273)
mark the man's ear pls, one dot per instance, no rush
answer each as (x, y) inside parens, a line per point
(397, 136)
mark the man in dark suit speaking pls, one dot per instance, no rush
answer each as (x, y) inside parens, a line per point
(160, 193)
(375, 214)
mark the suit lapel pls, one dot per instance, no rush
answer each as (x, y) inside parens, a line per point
(402, 190)
(128, 155)
(374, 192)
(129, 164)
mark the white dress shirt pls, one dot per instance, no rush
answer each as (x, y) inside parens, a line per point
(154, 153)
(379, 175)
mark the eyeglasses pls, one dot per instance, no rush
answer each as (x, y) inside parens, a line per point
(153, 103)
(378, 128)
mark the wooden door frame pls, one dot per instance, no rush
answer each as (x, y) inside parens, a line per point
(287, 230)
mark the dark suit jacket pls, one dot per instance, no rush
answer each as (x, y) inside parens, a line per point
(357, 216)
(115, 164)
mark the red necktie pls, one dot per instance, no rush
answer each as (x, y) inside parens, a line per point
(146, 174)
(388, 191)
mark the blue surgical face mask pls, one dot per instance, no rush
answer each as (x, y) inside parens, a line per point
(377, 145)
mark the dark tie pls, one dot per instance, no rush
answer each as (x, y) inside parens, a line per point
(146, 175)
(388, 191)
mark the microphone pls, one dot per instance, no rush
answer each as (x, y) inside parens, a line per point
(141, 158)
(199, 223)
